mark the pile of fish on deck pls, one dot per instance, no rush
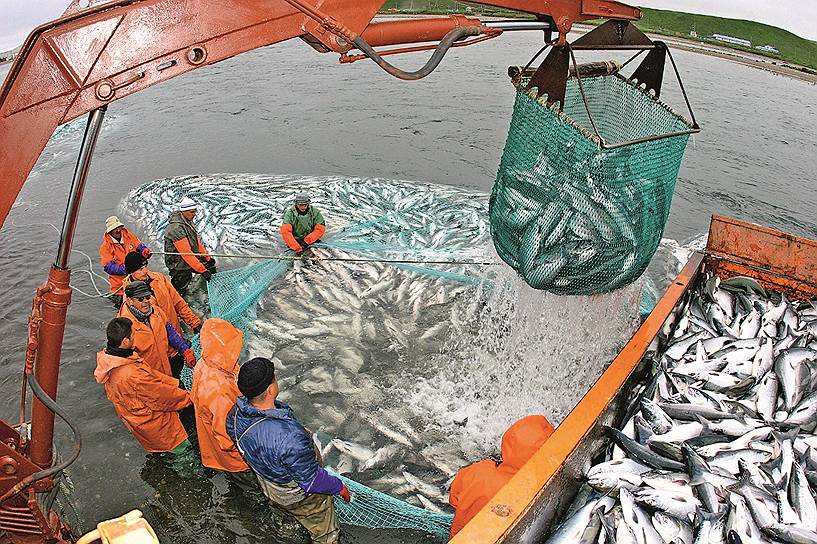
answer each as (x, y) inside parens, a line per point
(721, 447)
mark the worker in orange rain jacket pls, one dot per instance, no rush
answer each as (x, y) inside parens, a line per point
(476, 484)
(147, 401)
(181, 237)
(153, 335)
(214, 393)
(165, 297)
(116, 243)
(303, 225)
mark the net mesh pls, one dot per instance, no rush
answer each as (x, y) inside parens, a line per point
(570, 216)
(233, 295)
(376, 510)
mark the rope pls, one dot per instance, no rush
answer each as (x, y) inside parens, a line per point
(90, 271)
(305, 258)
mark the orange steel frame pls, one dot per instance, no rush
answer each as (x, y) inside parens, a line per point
(106, 51)
(92, 57)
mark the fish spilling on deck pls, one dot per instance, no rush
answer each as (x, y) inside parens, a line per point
(720, 446)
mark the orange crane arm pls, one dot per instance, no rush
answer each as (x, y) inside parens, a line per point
(93, 56)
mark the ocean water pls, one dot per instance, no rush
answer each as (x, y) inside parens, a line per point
(285, 110)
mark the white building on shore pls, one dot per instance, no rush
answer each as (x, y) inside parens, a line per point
(732, 40)
(767, 48)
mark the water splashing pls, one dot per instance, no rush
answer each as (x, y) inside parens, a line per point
(522, 352)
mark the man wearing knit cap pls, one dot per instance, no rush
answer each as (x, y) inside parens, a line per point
(281, 453)
(166, 298)
(116, 244)
(303, 225)
(184, 251)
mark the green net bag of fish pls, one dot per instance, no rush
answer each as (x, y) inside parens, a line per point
(571, 216)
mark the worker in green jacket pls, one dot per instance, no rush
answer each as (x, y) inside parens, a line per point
(303, 225)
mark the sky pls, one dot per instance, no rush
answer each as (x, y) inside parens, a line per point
(19, 17)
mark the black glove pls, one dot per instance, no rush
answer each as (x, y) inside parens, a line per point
(206, 275)
(210, 265)
(197, 330)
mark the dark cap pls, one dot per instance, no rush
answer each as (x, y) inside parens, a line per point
(255, 376)
(133, 262)
(138, 289)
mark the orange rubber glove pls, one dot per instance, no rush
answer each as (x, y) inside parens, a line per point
(189, 358)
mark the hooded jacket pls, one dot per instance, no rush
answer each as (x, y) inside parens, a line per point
(278, 448)
(154, 340)
(112, 255)
(147, 401)
(475, 485)
(214, 393)
(169, 300)
(181, 237)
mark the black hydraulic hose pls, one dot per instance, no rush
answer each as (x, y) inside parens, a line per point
(52, 405)
(442, 48)
(49, 403)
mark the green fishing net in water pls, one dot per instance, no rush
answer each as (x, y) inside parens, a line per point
(233, 295)
(376, 510)
(570, 216)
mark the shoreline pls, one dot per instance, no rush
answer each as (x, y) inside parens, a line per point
(747, 59)
(758, 62)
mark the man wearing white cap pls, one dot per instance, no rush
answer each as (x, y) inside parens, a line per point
(181, 237)
(116, 243)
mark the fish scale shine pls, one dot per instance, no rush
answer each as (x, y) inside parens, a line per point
(730, 386)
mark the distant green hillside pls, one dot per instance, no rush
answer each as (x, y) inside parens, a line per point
(791, 47)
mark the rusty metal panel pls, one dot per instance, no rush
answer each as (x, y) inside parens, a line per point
(534, 497)
(778, 260)
(81, 47)
(54, 82)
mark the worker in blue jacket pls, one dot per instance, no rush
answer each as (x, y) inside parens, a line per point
(281, 453)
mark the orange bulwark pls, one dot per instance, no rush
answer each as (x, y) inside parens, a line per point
(534, 500)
